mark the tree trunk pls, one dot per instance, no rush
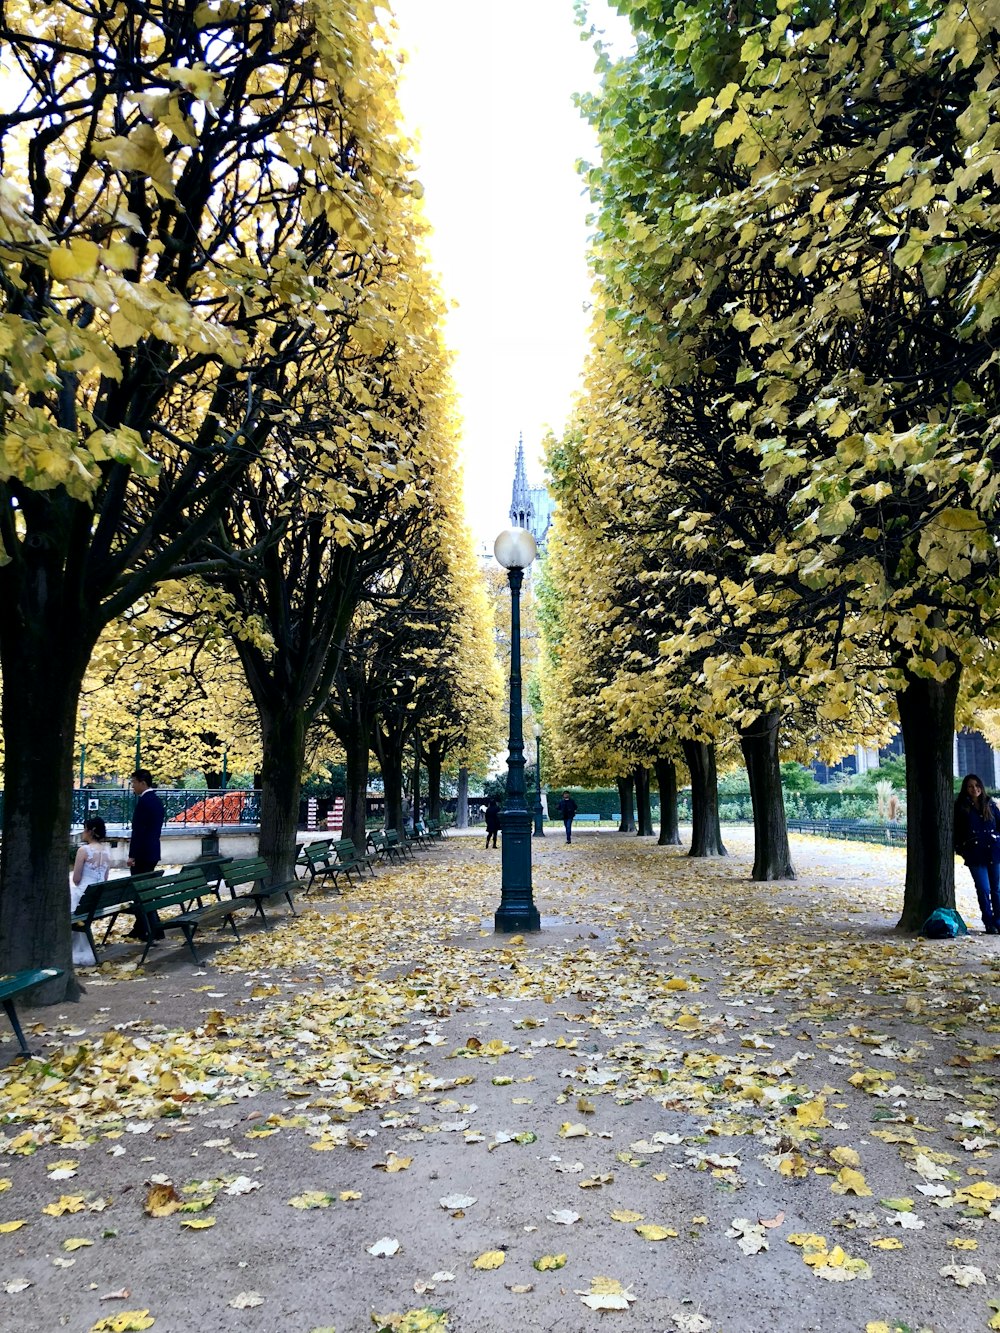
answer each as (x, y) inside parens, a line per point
(625, 788)
(434, 783)
(759, 742)
(283, 742)
(462, 807)
(391, 760)
(927, 720)
(416, 782)
(666, 781)
(706, 835)
(357, 751)
(644, 827)
(40, 693)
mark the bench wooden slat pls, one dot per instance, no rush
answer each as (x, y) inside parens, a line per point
(13, 984)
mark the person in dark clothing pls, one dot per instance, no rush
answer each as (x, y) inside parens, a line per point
(567, 809)
(492, 814)
(144, 844)
(977, 826)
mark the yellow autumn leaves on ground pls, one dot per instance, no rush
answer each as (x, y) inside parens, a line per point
(811, 1110)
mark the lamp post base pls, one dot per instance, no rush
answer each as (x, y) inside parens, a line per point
(513, 918)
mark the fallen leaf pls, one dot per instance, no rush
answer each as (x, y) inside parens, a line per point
(549, 1262)
(384, 1248)
(75, 1243)
(246, 1300)
(489, 1259)
(459, 1201)
(12, 1226)
(197, 1223)
(162, 1201)
(964, 1275)
(568, 1131)
(128, 1321)
(66, 1203)
(625, 1215)
(653, 1232)
(564, 1216)
(606, 1293)
(14, 1285)
(312, 1199)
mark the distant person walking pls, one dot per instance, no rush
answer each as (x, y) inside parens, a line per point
(567, 809)
(492, 814)
(144, 844)
(977, 834)
(93, 861)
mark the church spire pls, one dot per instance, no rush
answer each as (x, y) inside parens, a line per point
(522, 511)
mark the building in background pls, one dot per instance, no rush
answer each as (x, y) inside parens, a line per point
(531, 507)
(972, 754)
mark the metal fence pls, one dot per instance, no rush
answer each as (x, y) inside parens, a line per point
(216, 808)
(853, 830)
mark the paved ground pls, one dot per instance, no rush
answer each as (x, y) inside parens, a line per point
(690, 1103)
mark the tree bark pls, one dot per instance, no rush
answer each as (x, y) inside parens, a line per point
(927, 721)
(416, 781)
(462, 807)
(706, 835)
(644, 822)
(625, 788)
(391, 761)
(40, 694)
(433, 783)
(283, 737)
(759, 743)
(357, 750)
(666, 781)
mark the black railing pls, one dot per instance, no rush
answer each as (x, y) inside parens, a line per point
(853, 830)
(181, 806)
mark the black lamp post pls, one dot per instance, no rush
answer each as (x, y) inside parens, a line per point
(515, 549)
(539, 813)
(84, 714)
(137, 687)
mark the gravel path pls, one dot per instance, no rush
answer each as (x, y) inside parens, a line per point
(692, 1102)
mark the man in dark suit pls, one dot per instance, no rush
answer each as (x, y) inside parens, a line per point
(144, 844)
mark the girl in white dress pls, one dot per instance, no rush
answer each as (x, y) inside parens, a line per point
(93, 861)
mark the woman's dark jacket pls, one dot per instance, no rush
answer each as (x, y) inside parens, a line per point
(973, 833)
(492, 818)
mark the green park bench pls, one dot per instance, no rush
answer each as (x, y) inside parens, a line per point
(586, 819)
(249, 878)
(13, 984)
(184, 890)
(105, 902)
(402, 843)
(434, 830)
(351, 860)
(382, 848)
(317, 859)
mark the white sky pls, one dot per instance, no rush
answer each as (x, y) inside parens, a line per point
(488, 92)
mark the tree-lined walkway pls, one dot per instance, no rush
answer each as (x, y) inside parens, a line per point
(716, 1103)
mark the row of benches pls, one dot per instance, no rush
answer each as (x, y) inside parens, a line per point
(197, 890)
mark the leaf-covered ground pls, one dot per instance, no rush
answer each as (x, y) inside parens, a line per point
(691, 1103)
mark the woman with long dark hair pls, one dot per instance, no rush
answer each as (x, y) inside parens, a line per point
(977, 840)
(93, 860)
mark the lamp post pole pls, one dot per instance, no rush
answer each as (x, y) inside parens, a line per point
(515, 549)
(84, 714)
(539, 813)
(137, 687)
(225, 767)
